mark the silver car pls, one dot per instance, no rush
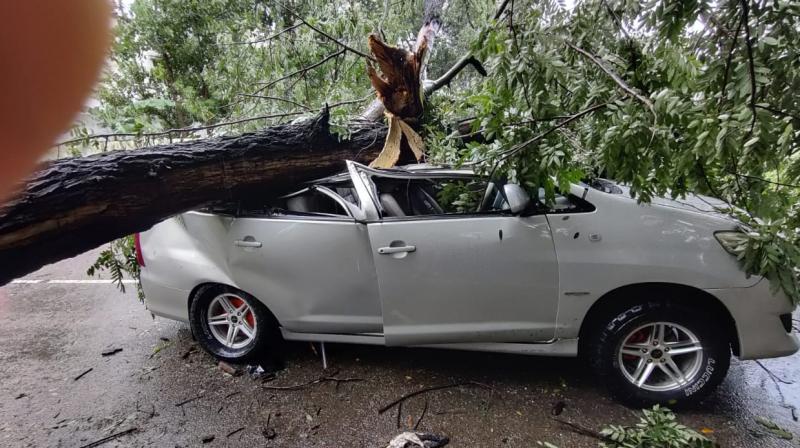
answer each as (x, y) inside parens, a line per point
(438, 257)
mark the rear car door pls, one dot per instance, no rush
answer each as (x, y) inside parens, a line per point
(450, 275)
(310, 262)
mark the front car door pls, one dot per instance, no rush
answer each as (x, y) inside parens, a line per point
(450, 274)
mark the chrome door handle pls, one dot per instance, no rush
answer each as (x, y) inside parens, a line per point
(396, 250)
(247, 243)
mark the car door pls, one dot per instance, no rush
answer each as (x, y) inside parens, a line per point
(462, 277)
(313, 270)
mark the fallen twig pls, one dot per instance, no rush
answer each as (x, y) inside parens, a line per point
(311, 383)
(421, 416)
(235, 431)
(111, 351)
(776, 381)
(82, 374)
(399, 414)
(580, 429)
(109, 438)
(773, 375)
(430, 389)
(177, 405)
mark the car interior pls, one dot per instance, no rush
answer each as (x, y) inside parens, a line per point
(436, 196)
(399, 197)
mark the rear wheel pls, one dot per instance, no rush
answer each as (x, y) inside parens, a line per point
(231, 324)
(660, 353)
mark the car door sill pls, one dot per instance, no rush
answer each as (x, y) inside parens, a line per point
(559, 347)
(364, 338)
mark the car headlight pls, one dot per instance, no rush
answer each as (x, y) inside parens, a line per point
(732, 241)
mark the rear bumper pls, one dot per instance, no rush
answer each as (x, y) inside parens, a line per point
(757, 314)
(163, 300)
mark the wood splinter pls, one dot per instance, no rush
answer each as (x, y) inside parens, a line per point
(399, 88)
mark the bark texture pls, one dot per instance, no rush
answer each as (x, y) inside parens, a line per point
(73, 205)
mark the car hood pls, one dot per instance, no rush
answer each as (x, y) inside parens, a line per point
(694, 203)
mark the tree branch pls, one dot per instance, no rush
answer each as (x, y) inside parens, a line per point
(729, 59)
(519, 147)
(375, 110)
(274, 98)
(268, 38)
(328, 36)
(74, 204)
(777, 111)
(448, 76)
(761, 179)
(751, 64)
(117, 135)
(616, 78)
(303, 70)
(500, 9)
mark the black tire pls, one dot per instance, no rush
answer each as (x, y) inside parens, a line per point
(704, 370)
(263, 346)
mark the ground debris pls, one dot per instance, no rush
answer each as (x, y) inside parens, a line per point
(208, 438)
(580, 429)
(187, 401)
(188, 352)
(83, 373)
(418, 440)
(236, 431)
(773, 428)
(109, 438)
(322, 379)
(110, 351)
(229, 369)
(421, 416)
(430, 389)
(22, 395)
(268, 432)
(558, 408)
(257, 372)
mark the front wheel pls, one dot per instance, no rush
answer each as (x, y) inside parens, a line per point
(660, 353)
(231, 325)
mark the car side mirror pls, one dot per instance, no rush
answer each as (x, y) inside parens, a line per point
(518, 199)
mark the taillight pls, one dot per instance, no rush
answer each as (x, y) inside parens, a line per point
(137, 245)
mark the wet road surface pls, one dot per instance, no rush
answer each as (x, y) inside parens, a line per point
(173, 394)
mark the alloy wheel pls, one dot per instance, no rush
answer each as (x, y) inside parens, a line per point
(231, 321)
(660, 356)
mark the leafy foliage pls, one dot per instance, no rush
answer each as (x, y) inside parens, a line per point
(656, 428)
(119, 260)
(668, 97)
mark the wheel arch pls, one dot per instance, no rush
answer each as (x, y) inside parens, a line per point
(628, 295)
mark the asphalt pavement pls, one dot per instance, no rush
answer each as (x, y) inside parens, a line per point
(160, 389)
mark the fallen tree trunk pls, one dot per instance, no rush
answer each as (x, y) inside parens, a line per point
(73, 205)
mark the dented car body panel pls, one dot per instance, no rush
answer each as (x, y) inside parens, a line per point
(383, 263)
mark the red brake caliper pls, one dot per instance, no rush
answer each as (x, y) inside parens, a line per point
(237, 302)
(636, 338)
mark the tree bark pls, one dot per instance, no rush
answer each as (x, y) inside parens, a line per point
(73, 205)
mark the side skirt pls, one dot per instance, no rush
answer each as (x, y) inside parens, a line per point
(560, 347)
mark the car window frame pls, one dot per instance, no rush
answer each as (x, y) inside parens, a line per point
(365, 175)
(353, 213)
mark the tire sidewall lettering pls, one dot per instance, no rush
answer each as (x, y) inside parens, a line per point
(702, 380)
